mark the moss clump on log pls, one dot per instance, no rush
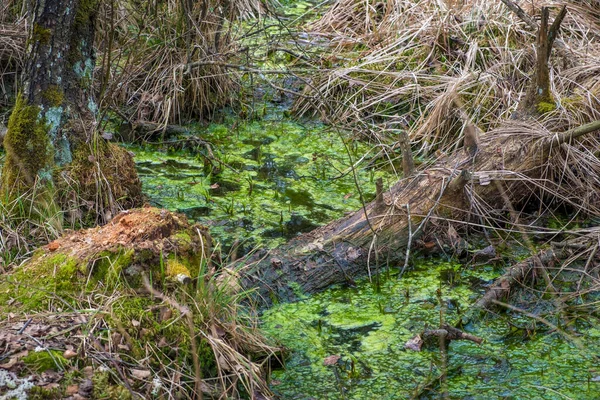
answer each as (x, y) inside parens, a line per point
(121, 284)
(134, 243)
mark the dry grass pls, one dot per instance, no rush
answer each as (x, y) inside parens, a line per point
(12, 59)
(411, 65)
(13, 25)
(26, 224)
(167, 63)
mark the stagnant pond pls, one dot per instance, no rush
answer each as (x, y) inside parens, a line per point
(368, 326)
(265, 182)
(269, 180)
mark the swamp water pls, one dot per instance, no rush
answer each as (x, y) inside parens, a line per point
(268, 181)
(368, 329)
(283, 178)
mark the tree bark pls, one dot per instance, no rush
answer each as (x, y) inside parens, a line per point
(51, 142)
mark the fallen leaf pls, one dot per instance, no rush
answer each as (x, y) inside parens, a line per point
(72, 389)
(69, 354)
(331, 360)
(140, 374)
(11, 362)
(165, 314)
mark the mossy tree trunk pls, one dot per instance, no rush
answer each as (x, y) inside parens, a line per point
(51, 142)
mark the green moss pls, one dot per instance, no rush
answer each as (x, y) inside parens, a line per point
(44, 360)
(177, 271)
(183, 238)
(109, 266)
(40, 393)
(53, 95)
(28, 149)
(40, 279)
(544, 107)
(107, 389)
(41, 35)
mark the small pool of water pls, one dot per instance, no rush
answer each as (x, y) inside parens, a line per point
(368, 328)
(268, 181)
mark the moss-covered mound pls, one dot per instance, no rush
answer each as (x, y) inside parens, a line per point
(126, 310)
(152, 242)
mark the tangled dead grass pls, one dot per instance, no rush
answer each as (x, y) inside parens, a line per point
(13, 26)
(430, 67)
(12, 56)
(167, 63)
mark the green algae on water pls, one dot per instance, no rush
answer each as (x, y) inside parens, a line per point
(368, 329)
(268, 181)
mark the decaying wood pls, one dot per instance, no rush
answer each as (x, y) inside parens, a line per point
(450, 333)
(445, 334)
(151, 131)
(408, 164)
(339, 250)
(520, 273)
(521, 14)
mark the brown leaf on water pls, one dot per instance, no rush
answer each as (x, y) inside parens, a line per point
(331, 360)
(414, 344)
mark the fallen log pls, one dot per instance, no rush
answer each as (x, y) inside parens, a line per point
(453, 188)
(457, 187)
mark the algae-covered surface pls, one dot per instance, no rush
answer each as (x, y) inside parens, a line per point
(520, 358)
(266, 181)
